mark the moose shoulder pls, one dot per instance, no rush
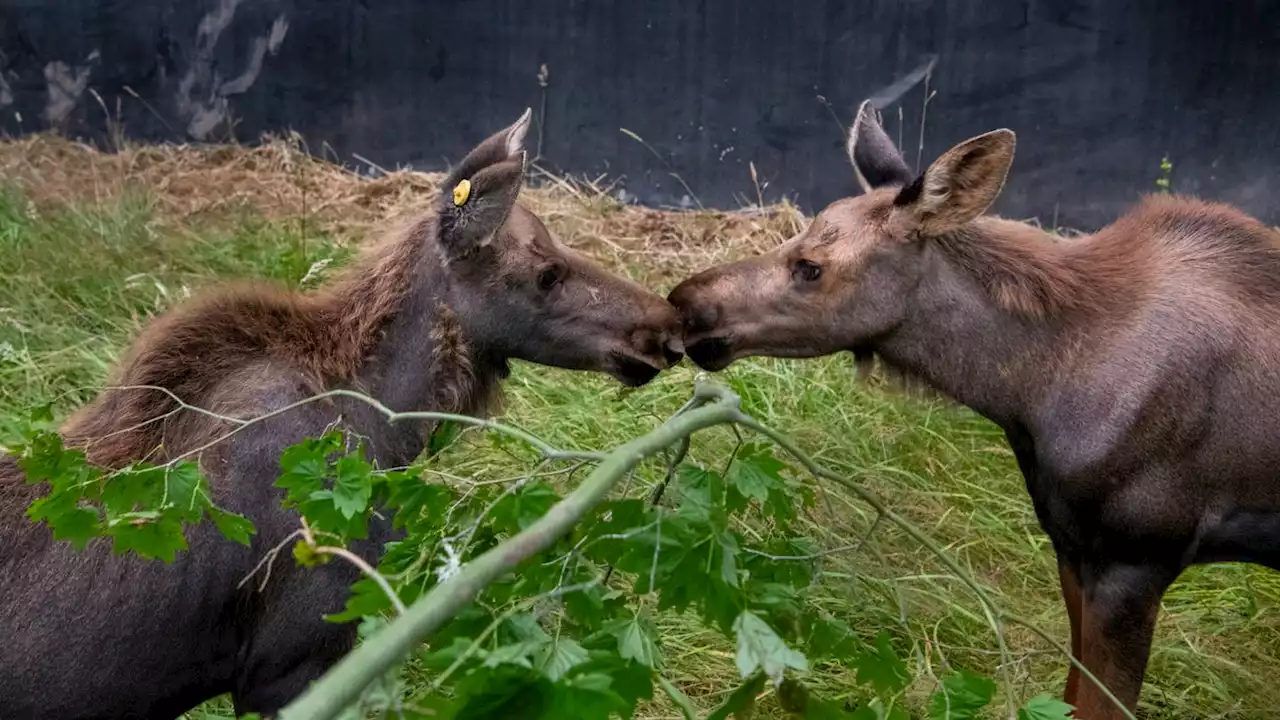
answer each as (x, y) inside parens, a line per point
(1136, 371)
(427, 320)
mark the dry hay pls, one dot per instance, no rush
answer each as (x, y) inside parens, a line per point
(192, 184)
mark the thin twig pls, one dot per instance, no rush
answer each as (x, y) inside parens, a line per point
(367, 569)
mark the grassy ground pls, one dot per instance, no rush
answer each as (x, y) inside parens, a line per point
(91, 245)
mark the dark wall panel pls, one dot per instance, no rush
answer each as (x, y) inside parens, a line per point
(1097, 90)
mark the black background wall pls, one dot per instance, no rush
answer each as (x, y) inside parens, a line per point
(1097, 90)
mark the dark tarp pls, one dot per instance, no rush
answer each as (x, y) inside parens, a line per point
(1097, 90)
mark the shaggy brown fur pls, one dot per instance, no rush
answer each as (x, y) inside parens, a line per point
(325, 335)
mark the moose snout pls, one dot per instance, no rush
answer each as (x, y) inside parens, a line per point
(697, 317)
(664, 343)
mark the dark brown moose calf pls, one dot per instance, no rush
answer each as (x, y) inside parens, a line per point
(1136, 372)
(427, 320)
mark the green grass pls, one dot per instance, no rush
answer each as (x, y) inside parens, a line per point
(78, 281)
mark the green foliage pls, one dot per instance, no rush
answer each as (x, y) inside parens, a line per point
(961, 697)
(1044, 707)
(551, 639)
(142, 508)
(1165, 180)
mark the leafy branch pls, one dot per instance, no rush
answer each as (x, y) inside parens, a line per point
(521, 592)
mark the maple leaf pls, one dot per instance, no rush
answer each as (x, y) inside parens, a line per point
(1045, 707)
(881, 668)
(759, 647)
(961, 696)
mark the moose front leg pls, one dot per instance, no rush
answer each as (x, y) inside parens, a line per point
(1118, 607)
(1069, 578)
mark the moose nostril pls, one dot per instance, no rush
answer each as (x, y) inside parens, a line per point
(700, 318)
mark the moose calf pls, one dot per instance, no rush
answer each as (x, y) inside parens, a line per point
(427, 320)
(1136, 372)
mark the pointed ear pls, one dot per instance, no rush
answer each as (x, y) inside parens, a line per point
(961, 184)
(480, 192)
(876, 161)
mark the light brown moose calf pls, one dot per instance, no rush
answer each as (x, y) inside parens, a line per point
(427, 320)
(1135, 372)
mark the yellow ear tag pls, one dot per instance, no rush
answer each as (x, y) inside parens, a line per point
(461, 192)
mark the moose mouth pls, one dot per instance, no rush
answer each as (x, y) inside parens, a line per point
(632, 372)
(712, 353)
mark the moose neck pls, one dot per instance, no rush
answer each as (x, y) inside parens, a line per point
(962, 343)
(423, 358)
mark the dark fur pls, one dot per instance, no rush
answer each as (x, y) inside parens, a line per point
(427, 321)
(1136, 372)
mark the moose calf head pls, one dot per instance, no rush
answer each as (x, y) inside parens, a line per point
(848, 278)
(520, 293)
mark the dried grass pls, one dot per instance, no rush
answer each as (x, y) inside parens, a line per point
(206, 183)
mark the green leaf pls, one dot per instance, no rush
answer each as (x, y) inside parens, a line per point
(1044, 707)
(442, 436)
(502, 691)
(881, 668)
(517, 653)
(589, 608)
(160, 539)
(961, 696)
(305, 465)
(559, 656)
(728, 557)
(236, 528)
(637, 641)
(353, 486)
(585, 697)
(741, 702)
(630, 680)
(701, 494)
(521, 509)
(415, 500)
(442, 657)
(759, 647)
(43, 458)
(525, 627)
(797, 701)
(322, 512)
(137, 487)
(756, 472)
(185, 491)
(678, 698)
(366, 599)
(68, 520)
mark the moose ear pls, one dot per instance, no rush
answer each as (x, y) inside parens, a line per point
(876, 161)
(961, 184)
(480, 192)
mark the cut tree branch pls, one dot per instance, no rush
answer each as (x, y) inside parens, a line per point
(345, 681)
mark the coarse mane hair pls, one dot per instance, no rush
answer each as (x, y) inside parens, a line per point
(1163, 240)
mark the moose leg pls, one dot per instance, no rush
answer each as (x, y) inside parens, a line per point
(1117, 620)
(1069, 578)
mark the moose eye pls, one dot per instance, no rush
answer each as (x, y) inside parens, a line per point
(806, 270)
(550, 277)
